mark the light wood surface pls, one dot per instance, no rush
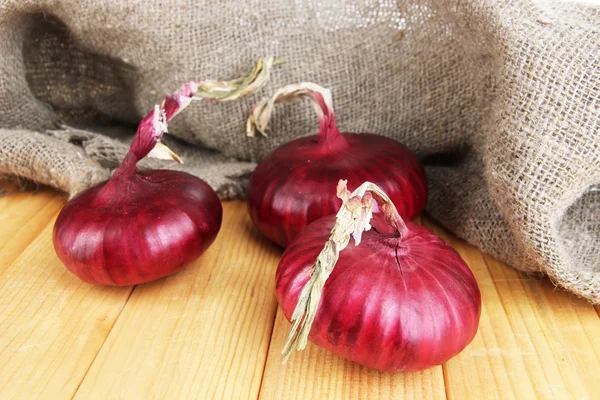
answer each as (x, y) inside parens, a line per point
(214, 331)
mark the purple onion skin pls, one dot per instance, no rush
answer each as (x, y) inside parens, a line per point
(139, 228)
(389, 304)
(295, 184)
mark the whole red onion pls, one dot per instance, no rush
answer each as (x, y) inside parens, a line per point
(293, 185)
(399, 299)
(143, 225)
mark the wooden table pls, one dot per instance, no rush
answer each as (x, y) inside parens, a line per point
(214, 331)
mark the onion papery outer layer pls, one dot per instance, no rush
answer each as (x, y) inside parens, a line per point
(295, 184)
(139, 226)
(394, 302)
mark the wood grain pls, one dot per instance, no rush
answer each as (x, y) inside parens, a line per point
(22, 217)
(202, 333)
(51, 324)
(520, 351)
(574, 324)
(213, 331)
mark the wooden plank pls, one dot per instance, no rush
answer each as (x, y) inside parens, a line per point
(573, 322)
(315, 373)
(51, 324)
(23, 215)
(202, 333)
(517, 352)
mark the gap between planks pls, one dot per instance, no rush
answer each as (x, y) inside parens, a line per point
(268, 351)
(103, 342)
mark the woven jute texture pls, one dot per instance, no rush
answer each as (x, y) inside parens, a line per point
(500, 99)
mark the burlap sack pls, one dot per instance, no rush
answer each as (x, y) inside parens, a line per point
(501, 100)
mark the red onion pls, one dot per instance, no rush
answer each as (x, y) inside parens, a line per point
(143, 225)
(400, 299)
(293, 185)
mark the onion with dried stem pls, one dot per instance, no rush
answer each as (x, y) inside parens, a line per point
(294, 185)
(139, 226)
(399, 299)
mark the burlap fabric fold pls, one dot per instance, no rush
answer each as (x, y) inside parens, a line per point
(500, 99)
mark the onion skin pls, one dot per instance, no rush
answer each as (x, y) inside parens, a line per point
(148, 226)
(295, 184)
(391, 304)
